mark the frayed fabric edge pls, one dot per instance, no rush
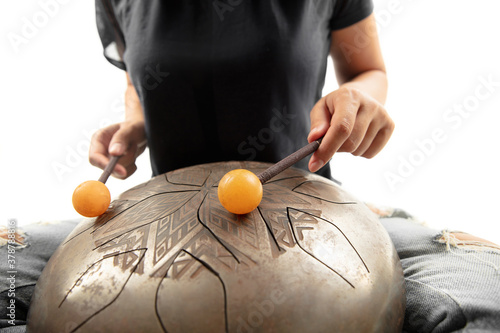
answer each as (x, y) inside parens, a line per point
(11, 236)
(450, 240)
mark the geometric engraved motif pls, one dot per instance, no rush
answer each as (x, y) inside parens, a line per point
(277, 220)
(172, 229)
(180, 265)
(204, 247)
(218, 219)
(302, 220)
(145, 211)
(132, 240)
(136, 238)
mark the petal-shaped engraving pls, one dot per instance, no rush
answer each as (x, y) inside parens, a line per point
(203, 305)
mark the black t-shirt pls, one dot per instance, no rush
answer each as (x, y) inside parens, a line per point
(226, 79)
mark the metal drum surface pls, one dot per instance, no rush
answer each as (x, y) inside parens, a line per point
(167, 257)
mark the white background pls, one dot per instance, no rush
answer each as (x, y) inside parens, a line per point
(56, 88)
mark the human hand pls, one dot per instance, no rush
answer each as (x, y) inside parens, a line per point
(349, 121)
(126, 138)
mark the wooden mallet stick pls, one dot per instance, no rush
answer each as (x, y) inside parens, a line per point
(288, 161)
(108, 170)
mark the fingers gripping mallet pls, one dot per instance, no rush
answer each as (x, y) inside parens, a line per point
(92, 198)
(240, 190)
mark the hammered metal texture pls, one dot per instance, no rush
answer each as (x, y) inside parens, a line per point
(167, 257)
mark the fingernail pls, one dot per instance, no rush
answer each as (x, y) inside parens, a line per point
(316, 165)
(118, 174)
(115, 149)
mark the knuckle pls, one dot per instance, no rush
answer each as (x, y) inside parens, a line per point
(355, 93)
(374, 107)
(97, 135)
(343, 128)
(348, 92)
(100, 135)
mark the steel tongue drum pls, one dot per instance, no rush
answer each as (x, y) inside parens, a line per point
(168, 257)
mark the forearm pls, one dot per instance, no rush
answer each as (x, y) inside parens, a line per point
(133, 107)
(372, 82)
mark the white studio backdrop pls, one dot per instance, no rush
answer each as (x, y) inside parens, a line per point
(441, 164)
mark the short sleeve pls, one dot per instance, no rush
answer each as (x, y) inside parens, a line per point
(110, 33)
(349, 12)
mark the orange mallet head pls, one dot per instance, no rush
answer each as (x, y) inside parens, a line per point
(92, 198)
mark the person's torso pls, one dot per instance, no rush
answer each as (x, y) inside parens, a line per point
(225, 80)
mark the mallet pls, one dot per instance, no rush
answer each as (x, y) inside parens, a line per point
(240, 190)
(92, 198)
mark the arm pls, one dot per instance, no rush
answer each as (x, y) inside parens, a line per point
(127, 138)
(352, 118)
(133, 108)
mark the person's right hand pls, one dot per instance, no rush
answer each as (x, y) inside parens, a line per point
(126, 138)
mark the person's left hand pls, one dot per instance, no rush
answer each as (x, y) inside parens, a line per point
(350, 121)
